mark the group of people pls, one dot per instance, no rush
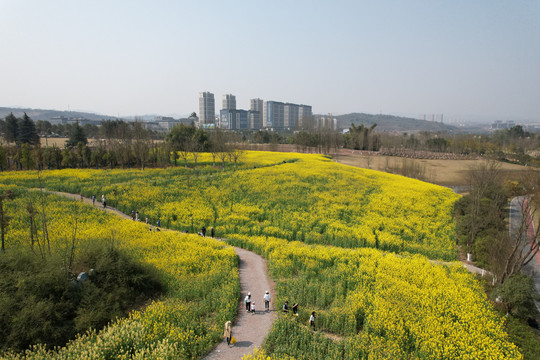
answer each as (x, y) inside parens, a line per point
(294, 309)
(250, 305)
(202, 232)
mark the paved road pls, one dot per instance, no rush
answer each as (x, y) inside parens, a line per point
(249, 330)
(516, 215)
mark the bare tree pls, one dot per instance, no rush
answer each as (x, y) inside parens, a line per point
(236, 156)
(522, 244)
(481, 177)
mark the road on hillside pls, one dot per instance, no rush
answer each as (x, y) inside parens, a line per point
(532, 269)
(249, 329)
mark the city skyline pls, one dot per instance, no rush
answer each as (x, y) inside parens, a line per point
(467, 60)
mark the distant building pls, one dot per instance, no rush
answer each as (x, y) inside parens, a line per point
(234, 119)
(207, 112)
(326, 122)
(229, 102)
(255, 119)
(167, 123)
(500, 125)
(273, 114)
(278, 115)
(256, 105)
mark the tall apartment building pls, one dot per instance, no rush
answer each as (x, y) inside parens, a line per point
(229, 102)
(233, 119)
(207, 109)
(273, 114)
(305, 117)
(278, 115)
(256, 105)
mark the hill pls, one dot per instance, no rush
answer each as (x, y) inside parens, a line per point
(42, 114)
(390, 123)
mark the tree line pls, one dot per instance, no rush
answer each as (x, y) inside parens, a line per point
(121, 144)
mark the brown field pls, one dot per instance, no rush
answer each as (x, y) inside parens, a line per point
(452, 173)
(441, 172)
(59, 141)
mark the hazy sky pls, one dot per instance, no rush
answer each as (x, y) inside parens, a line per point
(468, 59)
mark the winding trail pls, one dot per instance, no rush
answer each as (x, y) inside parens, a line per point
(249, 329)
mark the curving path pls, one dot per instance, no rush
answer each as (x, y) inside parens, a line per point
(249, 330)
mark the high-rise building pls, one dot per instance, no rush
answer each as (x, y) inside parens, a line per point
(273, 114)
(207, 109)
(229, 102)
(256, 105)
(233, 119)
(290, 117)
(255, 119)
(305, 116)
(278, 115)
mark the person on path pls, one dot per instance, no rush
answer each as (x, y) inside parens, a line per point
(82, 198)
(253, 308)
(212, 232)
(203, 231)
(228, 332)
(93, 200)
(247, 301)
(136, 216)
(286, 307)
(312, 320)
(146, 220)
(133, 215)
(295, 309)
(104, 201)
(267, 300)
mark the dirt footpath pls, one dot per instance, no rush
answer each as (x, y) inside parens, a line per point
(249, 330)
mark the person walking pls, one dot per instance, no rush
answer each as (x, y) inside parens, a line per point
(158, 223)
(267, 300)
(228, 332)
(133, 215)
(247, 301)
(253, 307)
(203, 231)
(136, 216)
(212, 232)
(104, 201)
(93, 200)
(295, 309)
(312, 320)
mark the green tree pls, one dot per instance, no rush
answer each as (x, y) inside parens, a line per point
(27, 133)
(76, 136)
(518, 294)
(12, 128)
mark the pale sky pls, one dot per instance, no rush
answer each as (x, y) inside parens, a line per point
(466, 59)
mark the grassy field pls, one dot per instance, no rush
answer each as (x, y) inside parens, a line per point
(440, 172)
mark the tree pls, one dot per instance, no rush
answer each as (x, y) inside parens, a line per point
(236, 155)
(76, 136)
(522, 244)
(518, 296)
(3, 158)
(12, 128)
(4, 219)
(27, 133)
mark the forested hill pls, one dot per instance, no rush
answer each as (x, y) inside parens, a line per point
(41, 114)
(389, 123)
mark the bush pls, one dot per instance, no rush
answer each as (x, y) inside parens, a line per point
(40, 302)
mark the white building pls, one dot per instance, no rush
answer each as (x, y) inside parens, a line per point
(207, 108)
